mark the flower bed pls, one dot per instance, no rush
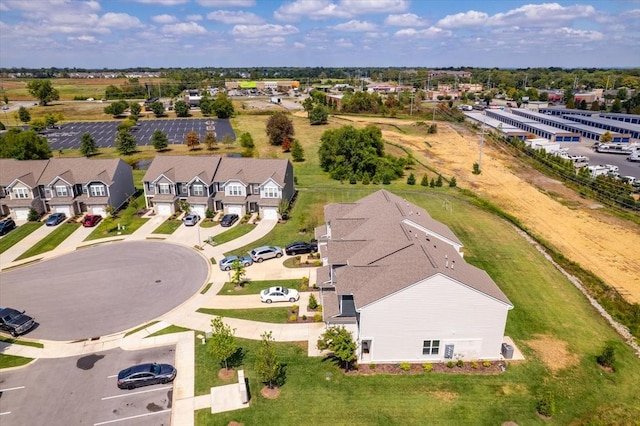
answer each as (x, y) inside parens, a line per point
(481, 367)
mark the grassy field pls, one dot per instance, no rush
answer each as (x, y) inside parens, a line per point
(13, 341)
(237, 231)
(13, 237)
(51, 241)
(142, 327)
(168, 227)
(272, 315)
(254, 287)
(554, 326)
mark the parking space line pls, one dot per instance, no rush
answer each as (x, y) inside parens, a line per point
(5, 413)
(10, 389)
(136, 393)
(112, 376)
(131, 417)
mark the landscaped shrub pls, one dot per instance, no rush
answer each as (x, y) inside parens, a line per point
(546, 406)
(293, 317)
(428, 367)
(474, 365)
(209, 214)
(607, 357)
(450, 364)
(313, 303)
(317, 318)
(319, 308)
(304, 317)
(213, 260)
(317, 263)
(486, 363)
(304, 288)
(33, 216)
(460, 363)
(372, 366)
(405, 366)
(303, 280)
(294, 308)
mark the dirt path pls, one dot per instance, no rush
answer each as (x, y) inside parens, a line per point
(605, 245)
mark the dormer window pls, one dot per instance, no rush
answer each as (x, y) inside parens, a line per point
(20, 193)
(97, 191)
(62, 191)
(163, 188)
(198, 190)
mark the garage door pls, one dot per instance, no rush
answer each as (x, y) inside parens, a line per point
(270, 213)
(21, 214)
(63, 209)
(163, 209)
(234, 210)
(199, 210)
(99, 210)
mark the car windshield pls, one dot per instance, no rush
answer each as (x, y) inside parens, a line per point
(155, 368)
(285, 291)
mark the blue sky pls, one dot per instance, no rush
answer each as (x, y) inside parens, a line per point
(329, 33)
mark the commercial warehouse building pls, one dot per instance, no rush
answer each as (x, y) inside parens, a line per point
(586, 131)
(530, 125)
(496, 125)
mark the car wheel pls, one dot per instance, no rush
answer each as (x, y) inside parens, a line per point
(292, 300)
(279, 255)
(268, 300)
(226, 268)
(13, 333)
(131, 386)
(260, 260)
(293, 253)
(247, 264)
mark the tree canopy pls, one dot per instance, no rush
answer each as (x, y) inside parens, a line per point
(158, 108)
(43, 90)
(159, 140)
(318, 115)
(350, 153)
(126, 144)
(24, 145)
(192, 140)
(88, 146)
(222, 345)
(24, 115)
(339, 341)
(279, 127)
(116, 108)
(222, 106)
(268, 366)
(181, 108)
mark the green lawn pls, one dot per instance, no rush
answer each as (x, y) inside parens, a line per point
(254, 287)
(8, 361)
(126, 221)
(51, 241)
(168, 227)
(273, 315)
(13, 341)
(142, 327)
(233, 233)
(15, 236)
(168, 330)
(548, 308)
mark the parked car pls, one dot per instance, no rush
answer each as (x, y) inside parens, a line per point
(7, 225)
(227, 263)
(191, 219)
(301, 247)
(265, 252)
(15, 322)
(229, 219)
(55, 219)
(146, 374)
(279, 294)
(91, 220)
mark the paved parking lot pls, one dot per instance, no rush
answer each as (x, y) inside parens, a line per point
(68, 136)
(82, 391)
(100, 290)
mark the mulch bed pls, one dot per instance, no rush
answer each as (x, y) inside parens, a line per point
(270, 393)
(299, 318)
(365, 369)
(227, 374)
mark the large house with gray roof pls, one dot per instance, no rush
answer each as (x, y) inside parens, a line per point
(63, 185)
(397, 279)
(227, 184)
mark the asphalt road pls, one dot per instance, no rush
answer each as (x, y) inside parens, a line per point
(82, 391)
(69, 135)
(103, 289)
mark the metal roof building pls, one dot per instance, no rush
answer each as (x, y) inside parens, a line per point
(610, 125)
(497, 125)
(627, 118)
(586, 131)
(530, 125)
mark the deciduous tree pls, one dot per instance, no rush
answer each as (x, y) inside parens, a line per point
(24, 145)
(318, 115)
(135, 108)
(159, 140)
(210, 141)
(297, 152)
(279, 127)
(88, 146)
(339, 341)
(192, 140)
(158, 108)
(222, 106)
(24, 114)
(181, 108)
(268, 367)
(116, 108)
(222, 345)
(125, 142)
(43, 90)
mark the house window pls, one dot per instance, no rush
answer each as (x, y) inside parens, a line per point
(163, 188)
(234, 190)
(198, 190)
(184, 188)
(20, 193)
(270, 192)
(62, 191)
(97, 191)
(430, 347)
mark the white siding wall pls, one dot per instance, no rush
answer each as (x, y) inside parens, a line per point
(434, 309)
(270, 189)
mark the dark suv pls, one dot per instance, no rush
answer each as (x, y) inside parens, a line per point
(7, 225)
(301, 247)
(15, 322)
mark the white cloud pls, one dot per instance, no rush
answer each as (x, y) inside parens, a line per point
(119, 21)
(84, 39)
(431, 32)
(298, 45)
(226, 3)
(163, 2)
(194, 18)
(546, 14)
(343, 42)
(571, 33)
(471, 18)
(355, 26)
(184, 28)
(266, 30)
(232, 17)
(374, 6)
(164, 19)
(309, 9)
(405, 20)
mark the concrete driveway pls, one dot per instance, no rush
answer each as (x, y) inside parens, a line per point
(104, 289)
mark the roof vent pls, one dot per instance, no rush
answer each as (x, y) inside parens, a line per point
(446, 258)
(453, 262)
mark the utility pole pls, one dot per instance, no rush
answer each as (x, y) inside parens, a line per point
(481, 144)
(411, 108)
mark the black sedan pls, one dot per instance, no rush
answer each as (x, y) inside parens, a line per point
(301, 247)
(229, 219)
(146, 374)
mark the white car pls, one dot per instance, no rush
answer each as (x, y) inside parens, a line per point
(279, 294)
(191, 219)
